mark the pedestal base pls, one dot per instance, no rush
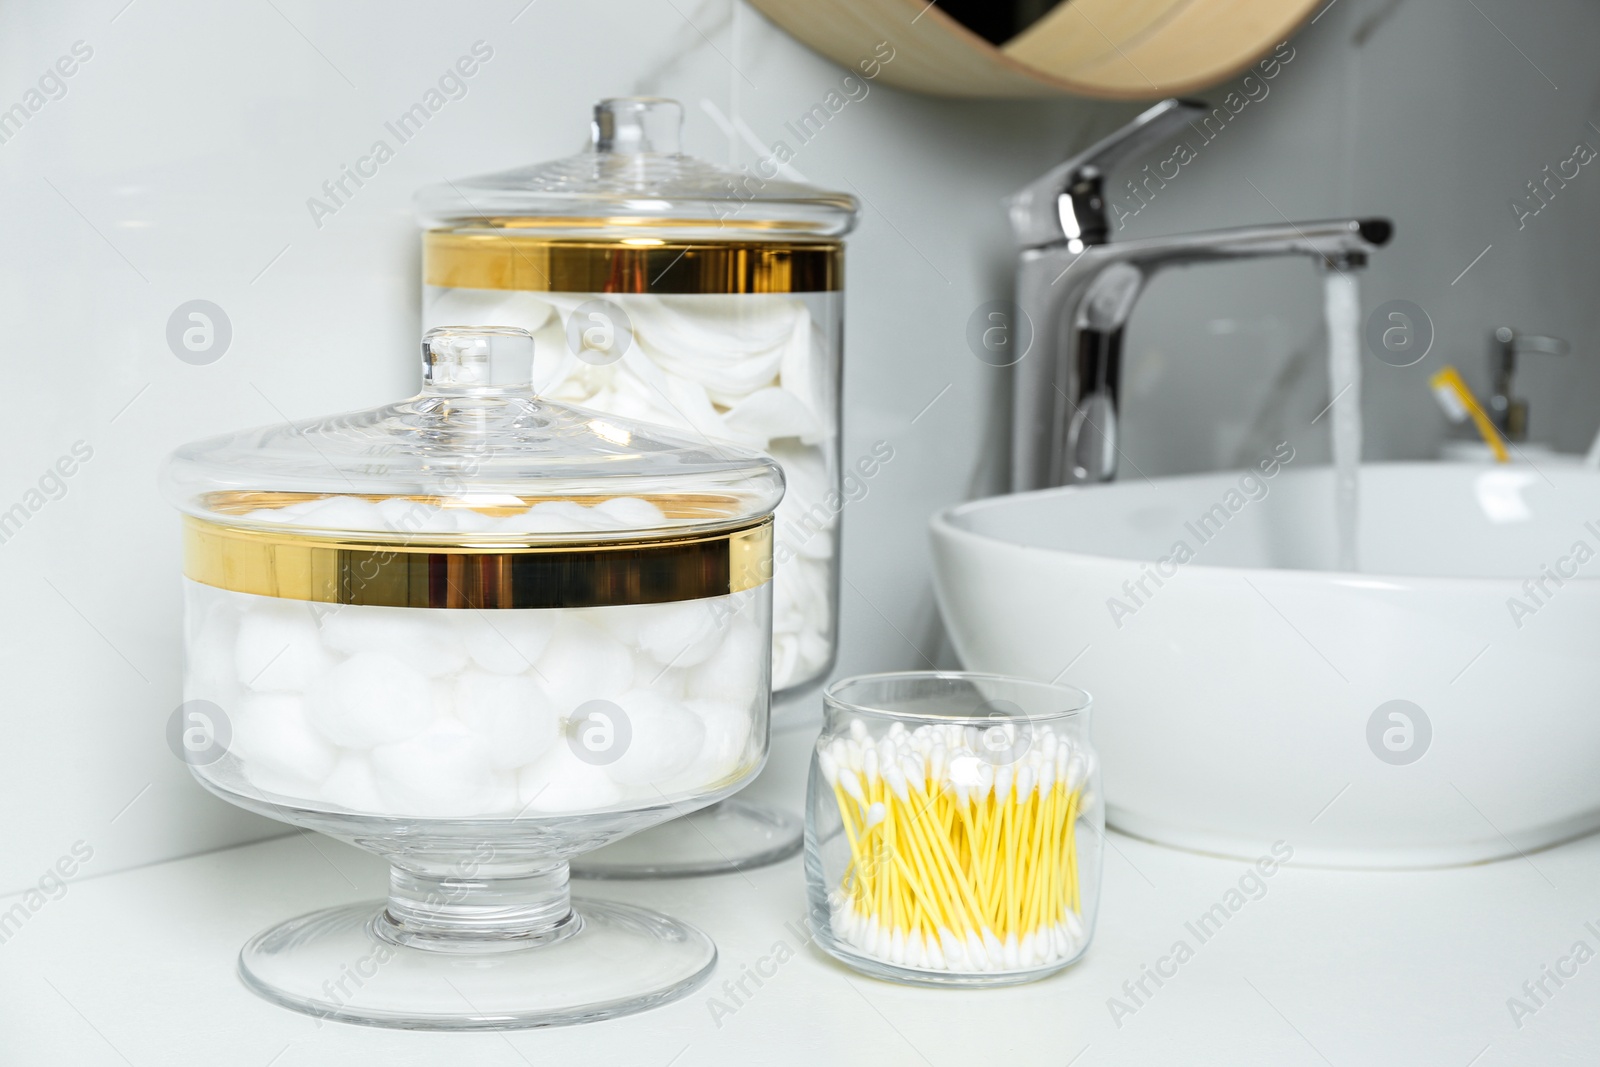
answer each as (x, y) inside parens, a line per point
(602, 960)
(734, 835)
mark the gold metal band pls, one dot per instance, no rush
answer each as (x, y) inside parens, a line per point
(487, 259)
(366, 571)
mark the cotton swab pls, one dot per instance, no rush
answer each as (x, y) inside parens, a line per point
(956, 864)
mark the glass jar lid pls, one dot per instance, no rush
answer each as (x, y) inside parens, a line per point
(514, 500)
(633, 176)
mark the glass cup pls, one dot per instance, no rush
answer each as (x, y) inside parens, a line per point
(954, 827)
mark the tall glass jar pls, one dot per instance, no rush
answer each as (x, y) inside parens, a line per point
(478, 633)
(667, 289)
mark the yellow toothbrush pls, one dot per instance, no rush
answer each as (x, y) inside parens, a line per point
(1459, 405)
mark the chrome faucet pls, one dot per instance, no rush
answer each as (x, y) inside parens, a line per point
(1077, 288)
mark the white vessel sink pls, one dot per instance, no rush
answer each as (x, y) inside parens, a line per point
(1233, 701)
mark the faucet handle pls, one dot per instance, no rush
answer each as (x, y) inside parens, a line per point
(1513, 344)
(1509, 413)
(1067, 202)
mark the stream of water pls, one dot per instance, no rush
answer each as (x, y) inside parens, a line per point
(1342, 306)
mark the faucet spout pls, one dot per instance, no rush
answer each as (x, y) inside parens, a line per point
(1077, 287)
(1079, 300)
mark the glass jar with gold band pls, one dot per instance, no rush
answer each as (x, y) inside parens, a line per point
(665, 288)
(703, 299)
(480, 633)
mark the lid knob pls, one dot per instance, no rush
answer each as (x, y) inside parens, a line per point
(473, 358)
(635, 125)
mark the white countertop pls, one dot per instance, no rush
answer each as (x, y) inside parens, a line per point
(1325, 967)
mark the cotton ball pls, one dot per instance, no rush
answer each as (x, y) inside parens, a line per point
(293, 788)
(442, 697)
(561, 782)
(342, 513)
(563, 516)
(674, 683)
(621, 621)
(508, 641)
(736, 671)
(501, 796)
(583, 663)
(270, 731)
(352, 785)
(535, 521)
(303, 507)
(726, 752)
(278, 648)
(441, 772)
(210, 671)
(206, 607)
(664, 738)
(402, 514)
(683, 634)
(370, 699)
(633, 512)
(417, 635)
(466, 520)
(512, 714)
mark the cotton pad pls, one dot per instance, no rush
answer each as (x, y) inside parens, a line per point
(504, 307)
(771, 413)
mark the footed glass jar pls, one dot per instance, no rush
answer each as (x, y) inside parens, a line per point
(667, 289)
(954, 828)
(478, 633)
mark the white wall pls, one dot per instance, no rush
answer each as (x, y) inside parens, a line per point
(178, 164)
